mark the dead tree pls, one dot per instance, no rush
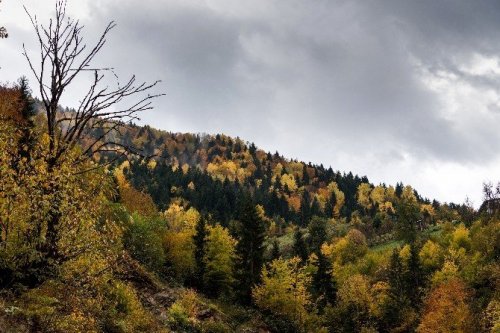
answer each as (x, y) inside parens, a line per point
(63, 57)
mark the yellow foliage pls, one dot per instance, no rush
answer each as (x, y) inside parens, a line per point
(448, 272)
(387, 208)
(363, 195)
(178, 240)
(405, 253)
(289, 181)
(227, 169)
(339, 196)
(431, 255)
(284, 290)
(427, 210)
(151, 164)
(408, 194)
(179, 252)
(356, 291)
(277, 171)
(460, 238)
(377, 195)
(295, 168)
(219, 259)
(347, 249)
(390, 194)
(179, 219)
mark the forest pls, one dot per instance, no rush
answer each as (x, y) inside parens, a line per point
(108, 226)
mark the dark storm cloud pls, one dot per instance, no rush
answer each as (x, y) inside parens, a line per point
(366, 86)
(306, 68)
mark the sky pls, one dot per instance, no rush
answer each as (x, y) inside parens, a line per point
(395, 90)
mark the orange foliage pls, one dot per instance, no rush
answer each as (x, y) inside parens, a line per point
(133, 200)
(10, 104)
(294, 202)
(446, 309)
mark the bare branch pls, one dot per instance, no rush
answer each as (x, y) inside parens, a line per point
(63, 57)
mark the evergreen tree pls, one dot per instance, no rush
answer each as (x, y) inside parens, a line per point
(397, 295)
(324, 287)
(275, 251)
(399, 189)
(408, 214)
(330, 205)
(305, 176)
(250, 248)
(317, 233)
(200, 240)
(305, 208)
(299, 246)
(315, 208)
(27, 140)
(413, 276)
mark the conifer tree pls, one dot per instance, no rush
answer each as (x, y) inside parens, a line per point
(200, 240)
(250, 247)
(305, 208)
(330, 205)
(275, 251)
(299, 246)
(27, 140)
(397, 293)
(324, 286)
(305, 175)
(413, 276)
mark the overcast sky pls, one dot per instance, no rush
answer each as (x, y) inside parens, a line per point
(395, 90)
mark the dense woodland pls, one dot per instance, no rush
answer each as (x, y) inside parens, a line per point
(106, 226)
(210, 234)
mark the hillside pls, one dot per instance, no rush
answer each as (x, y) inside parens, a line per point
(110, 227)
(203, 233)
(212, 171)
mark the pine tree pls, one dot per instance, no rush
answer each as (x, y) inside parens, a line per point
(324, 287)
(275, 251)
(317, 233)
(305, 176)
(305, 208)
(200, 241)
(250, 248)
(413, 276)
(397, 294)
(315, 208)
(330, 205)
(27, 140)
(299, 246)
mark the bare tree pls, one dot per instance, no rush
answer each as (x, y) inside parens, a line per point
(490, 191)
(63, 57)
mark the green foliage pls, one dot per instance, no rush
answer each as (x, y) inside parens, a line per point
(299, 245)
(284, 291)
(250, 248)
(143, 239)
(219, 261)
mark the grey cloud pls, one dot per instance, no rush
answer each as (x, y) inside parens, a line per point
(309, 77)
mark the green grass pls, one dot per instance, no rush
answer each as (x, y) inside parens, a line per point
(386, 246)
